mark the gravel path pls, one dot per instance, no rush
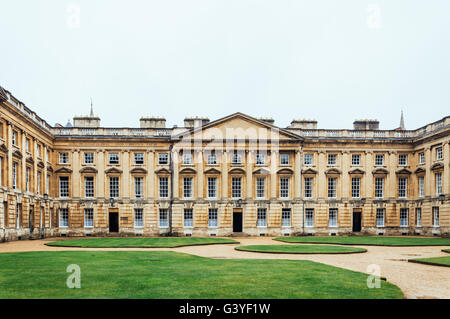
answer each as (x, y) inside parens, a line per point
(415, 280)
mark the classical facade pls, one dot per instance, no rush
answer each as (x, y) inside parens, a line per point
(236, 175)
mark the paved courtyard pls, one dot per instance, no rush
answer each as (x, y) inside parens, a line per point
(415, 280)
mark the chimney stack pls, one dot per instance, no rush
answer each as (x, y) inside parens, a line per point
(153, 122)
(365, 125)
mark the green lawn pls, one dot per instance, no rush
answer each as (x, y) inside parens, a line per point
(437, 261)
(161, 274)
(301, 249)
(369, 240)
(141, 242)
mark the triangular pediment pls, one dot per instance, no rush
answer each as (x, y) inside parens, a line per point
(437, 166)
(238, 126)
(356, 171)
(332, 171)
(261, 171)
(419, 170)
(3, 148)
(3, 96)
(17, 154)
(212, 171)
(113, 170)
(380, 171)
(403, 171)
(309, 171)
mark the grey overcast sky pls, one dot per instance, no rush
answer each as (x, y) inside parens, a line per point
(334, 61)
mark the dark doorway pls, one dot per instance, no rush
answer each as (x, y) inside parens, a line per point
(237, 222)
(356, 221)
(113, 222)
(31, 220)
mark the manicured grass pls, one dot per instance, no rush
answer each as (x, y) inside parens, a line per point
(141, 242)
(162, 274)
(301, 249)
(437, 261)
(368, 240)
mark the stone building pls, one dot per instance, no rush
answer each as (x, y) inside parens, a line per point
(235, 175)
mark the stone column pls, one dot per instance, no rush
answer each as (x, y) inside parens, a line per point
(126, 183)
(428, 191)
(33, 187)
(391, 182)
(151, 175)
(368, 177)
(446, 175)
(249, 174)
(322, 185)
(44, 171)
(273, 173)
(76, 182)
(100, 178)
(345, 178)
(175, 159)
(297, 174)
(10, 161)
(23, 164)
(224, 168)
(199, 165)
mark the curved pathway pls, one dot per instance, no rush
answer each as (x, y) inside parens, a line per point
(415, 280)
